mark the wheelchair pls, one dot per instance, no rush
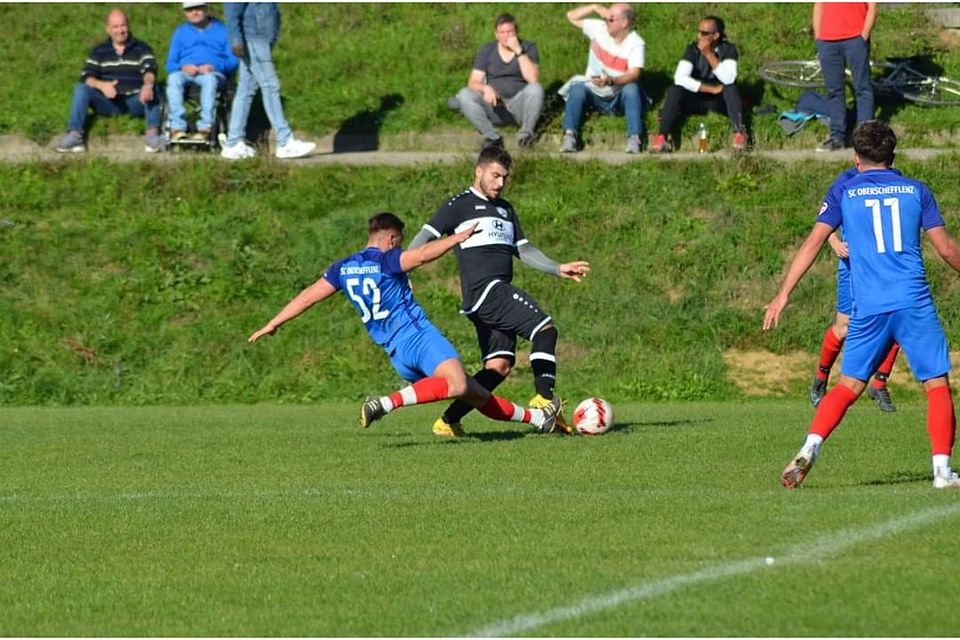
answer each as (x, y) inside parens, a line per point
(191, 103)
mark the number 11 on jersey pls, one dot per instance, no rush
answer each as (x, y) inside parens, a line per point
(893, 204)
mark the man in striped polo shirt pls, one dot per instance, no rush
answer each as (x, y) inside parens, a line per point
(613, 70)
(118, 77)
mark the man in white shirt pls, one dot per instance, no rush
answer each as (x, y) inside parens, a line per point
(613, 70)
(704, 81)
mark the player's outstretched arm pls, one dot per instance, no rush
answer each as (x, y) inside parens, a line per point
(798, 267)
(945, 246)
(535, 259)
(317, 292)
(413, 258)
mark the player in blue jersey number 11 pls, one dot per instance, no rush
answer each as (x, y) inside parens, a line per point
(882, 213)
(375, 281)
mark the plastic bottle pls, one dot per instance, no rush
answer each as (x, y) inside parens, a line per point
(703, 139)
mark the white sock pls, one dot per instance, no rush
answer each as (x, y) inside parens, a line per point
(536, 417)
(813, 442)
(387, 405)
(941, 465)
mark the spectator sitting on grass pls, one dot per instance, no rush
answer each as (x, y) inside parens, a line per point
(118, 77)
(504, 87)
(611, 84)
(199, 55)
(705, 80)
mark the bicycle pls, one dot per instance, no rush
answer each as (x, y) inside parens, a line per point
(897, 77)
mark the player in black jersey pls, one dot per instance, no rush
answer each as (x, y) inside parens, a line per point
(499, 311)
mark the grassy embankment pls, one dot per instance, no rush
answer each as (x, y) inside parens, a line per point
(116, 290)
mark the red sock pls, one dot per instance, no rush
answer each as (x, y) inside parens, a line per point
(883, 371)
(941, 425)
(831, 410)
(504, 410)
(420, 392)
(829, 351)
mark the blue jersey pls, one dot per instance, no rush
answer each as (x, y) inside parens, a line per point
(380, 292)
(882, 212)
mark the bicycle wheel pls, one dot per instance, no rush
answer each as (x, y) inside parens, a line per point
(936, 92)
(793, 73)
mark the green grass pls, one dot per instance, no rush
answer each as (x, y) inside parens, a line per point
(265, 520)
(340, 63)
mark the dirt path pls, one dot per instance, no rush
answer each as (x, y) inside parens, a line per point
(16, 148)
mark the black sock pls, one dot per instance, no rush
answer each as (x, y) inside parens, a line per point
(543, 361)
(488, 379)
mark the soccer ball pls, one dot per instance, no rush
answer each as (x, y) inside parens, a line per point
(593, 416)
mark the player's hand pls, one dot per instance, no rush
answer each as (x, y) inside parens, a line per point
(237, 50)
(205, 68)
(265, 331)
(842, 250)
(713, 89)
(771, 316)
(490, 96)
(466, 233)
(574, 270)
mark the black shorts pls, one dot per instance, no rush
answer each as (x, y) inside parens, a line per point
(505, 313)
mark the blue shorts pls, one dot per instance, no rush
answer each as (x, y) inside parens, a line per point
(844, 287)
(917, 329)
(417, 354)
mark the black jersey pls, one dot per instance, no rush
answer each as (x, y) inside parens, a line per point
(487, 257)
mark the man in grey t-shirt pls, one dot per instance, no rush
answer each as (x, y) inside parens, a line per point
(504, 86)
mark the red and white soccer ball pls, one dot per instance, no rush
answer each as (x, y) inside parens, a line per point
(593, 416)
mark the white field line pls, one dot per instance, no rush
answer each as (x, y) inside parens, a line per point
(818, 550)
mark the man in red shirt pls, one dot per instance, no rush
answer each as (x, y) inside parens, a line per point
(842, 31)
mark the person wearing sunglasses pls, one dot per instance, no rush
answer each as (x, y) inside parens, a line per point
(705, 80)
(611, 83)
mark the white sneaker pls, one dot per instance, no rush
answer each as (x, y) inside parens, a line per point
(951, 481)
(296, 149)
(238, 151)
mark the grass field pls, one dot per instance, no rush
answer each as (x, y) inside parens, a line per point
(269, 520)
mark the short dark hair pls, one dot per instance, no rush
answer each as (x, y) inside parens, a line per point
(875, 142)
(494, 153)
(718, 25)
(629, 14)
(504, 18)
(384, 221)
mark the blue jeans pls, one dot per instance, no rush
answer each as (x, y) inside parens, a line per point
(209, 83)
(629, 102)
(86, 97)
(834, 56)
(256, 70)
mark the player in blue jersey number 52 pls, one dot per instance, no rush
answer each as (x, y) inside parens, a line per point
(375, 281)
